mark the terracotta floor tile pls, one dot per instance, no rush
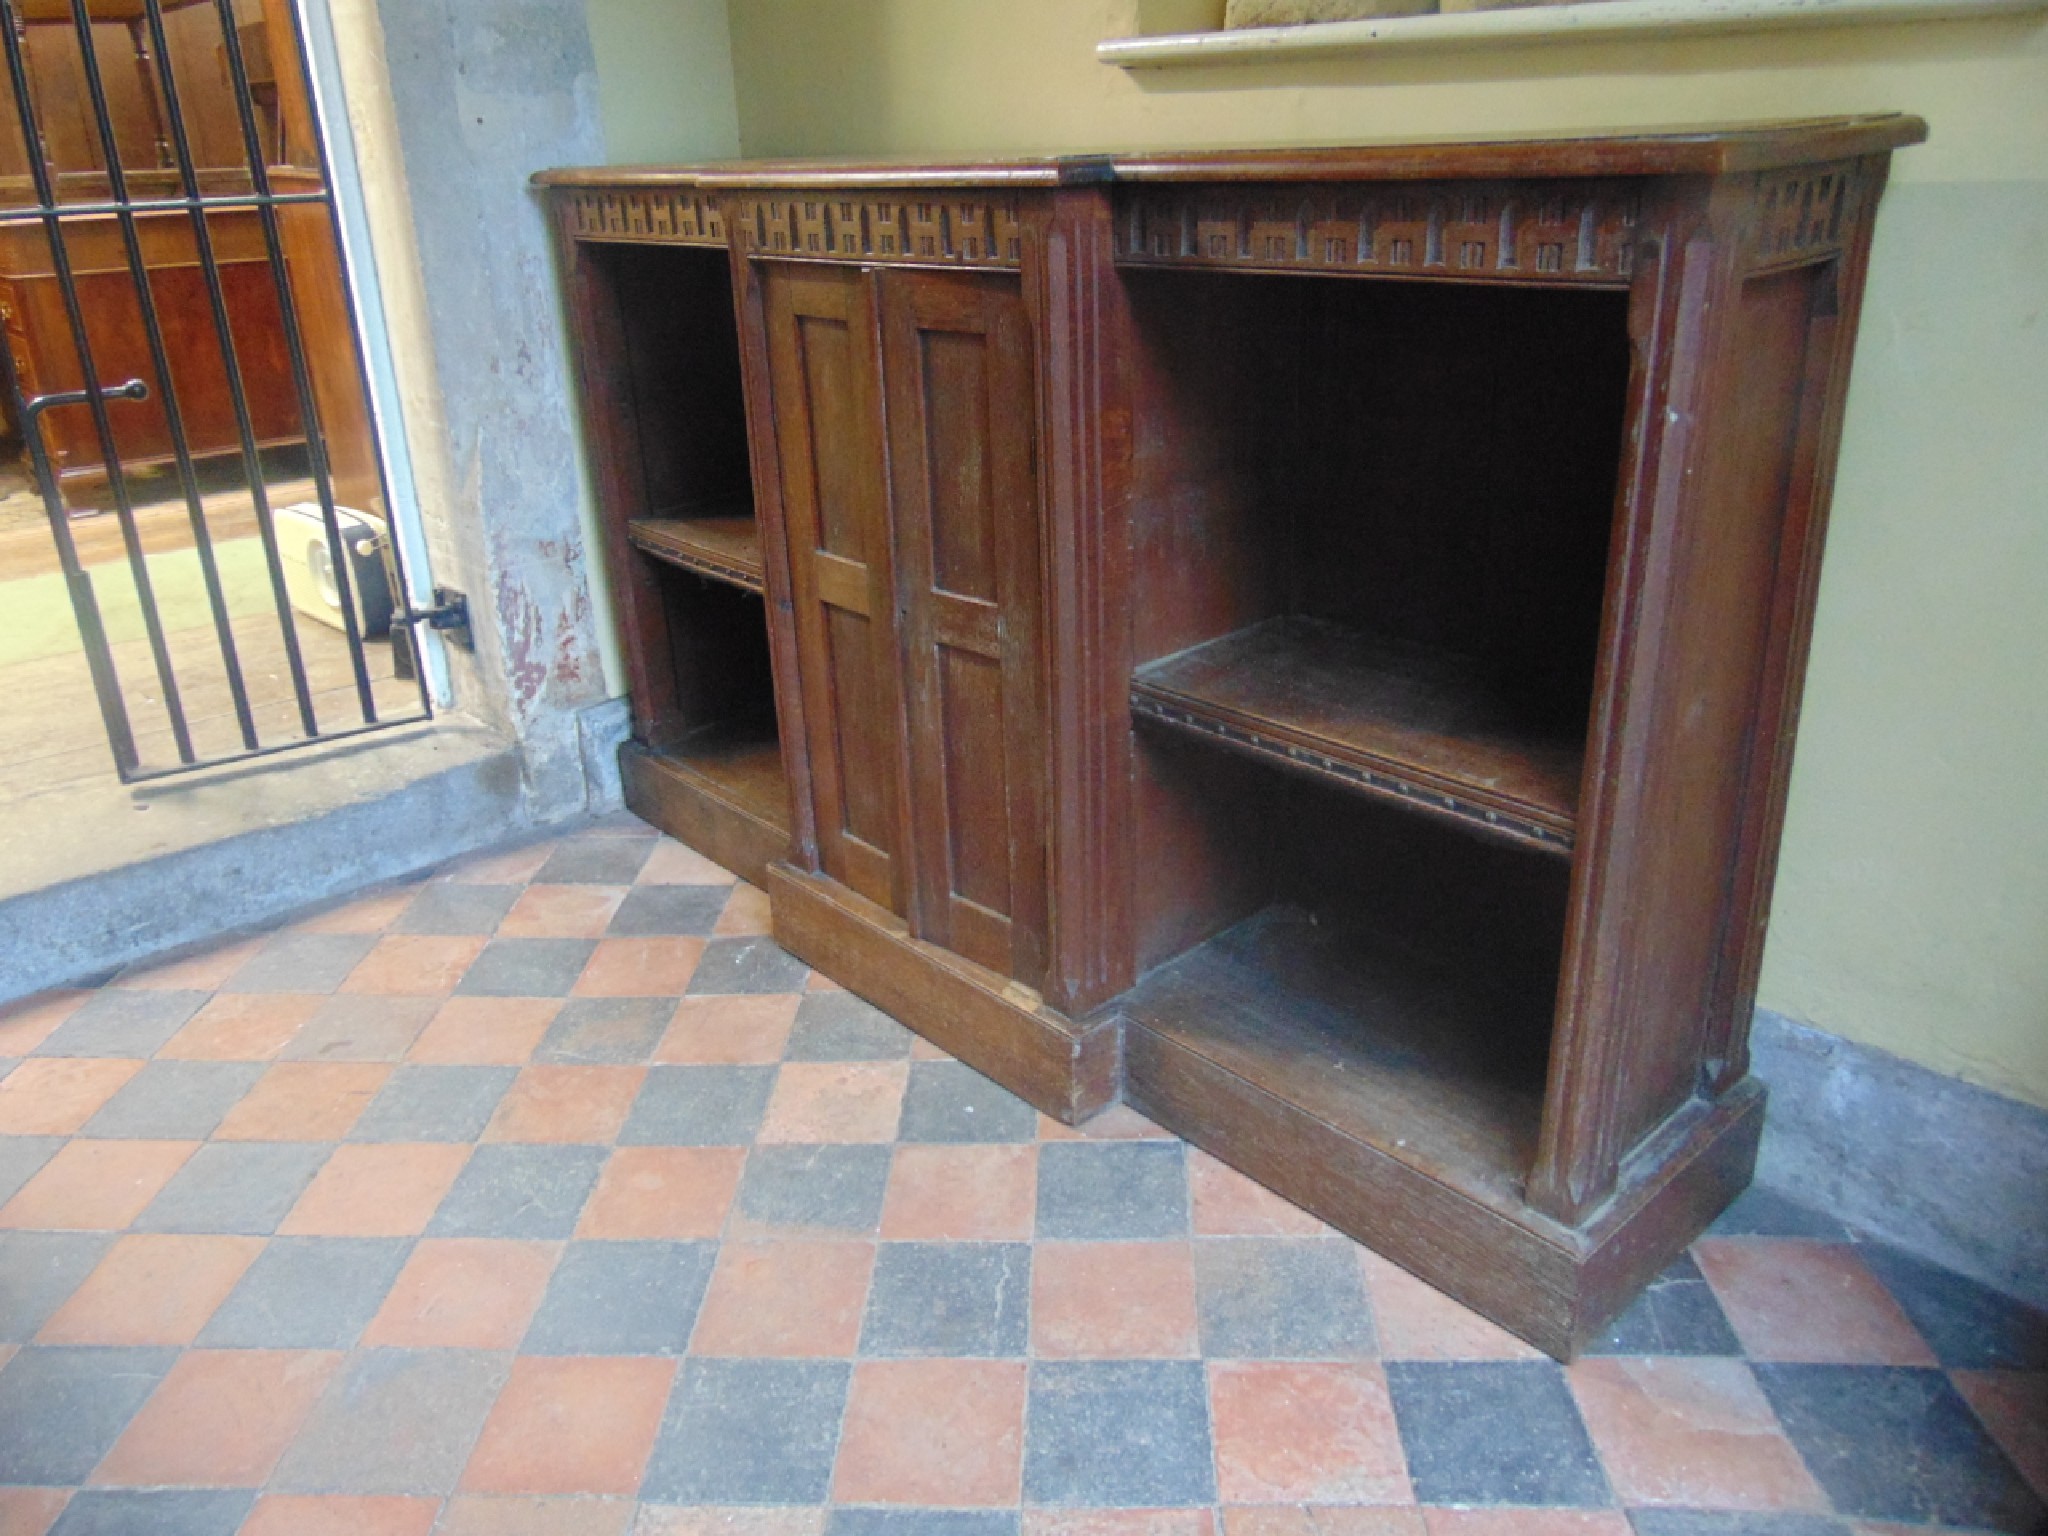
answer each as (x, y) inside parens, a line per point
(1040, 1521)
(663, 1192)
(464, 1293)
(1322, 1520)
(922, 1049)
(962, 1193)
(1417, 1321)
(31, 1511)
(286, 1514)
(673, 864)
(729, 1520)
(243, 1026)
(562, 912)
(729, 1031)
(566, 1104)
(746, 914)
(220, 1419)
(55, 1095)
(376, 1190)
(27, 1023)
(1526, 1522)
(96, 1185)
(372, 913)
(1228, 1204)
(152, 1288)
(1306, 1433)
(1793, 1300)
(200, 972)
(508, 866)
(1693, 1432)
(1119, 1122)
(304, 1101)
(413, 965)
(818, 981)
(485, 1031)
(836, 1101)
(933, 1433)
(2014, 1407)
(658, 967)
(785, 1298)
(571, 1425)
(536, 1515)
(1092, 1301)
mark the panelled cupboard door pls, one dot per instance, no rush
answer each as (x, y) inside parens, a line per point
(824, 377)
(959, 386)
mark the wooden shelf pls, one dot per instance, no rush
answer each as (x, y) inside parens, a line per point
(724, 548)
(1426, 1060)
(742, 761)
(1418, 727)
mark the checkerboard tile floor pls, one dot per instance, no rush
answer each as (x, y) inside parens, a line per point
(547, 1196)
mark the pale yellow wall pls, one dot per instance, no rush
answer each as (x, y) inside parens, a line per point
(1912, 908)
(665, 81)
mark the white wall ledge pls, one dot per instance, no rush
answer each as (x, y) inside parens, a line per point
(1531, 25)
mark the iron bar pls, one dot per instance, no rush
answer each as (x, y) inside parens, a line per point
(223, 202)
(117, 480)
(174, 416)
(298, 745)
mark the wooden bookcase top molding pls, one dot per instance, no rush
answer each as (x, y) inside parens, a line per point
(1306, 641)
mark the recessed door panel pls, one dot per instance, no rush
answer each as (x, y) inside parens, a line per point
(823, 374)
(961, 396)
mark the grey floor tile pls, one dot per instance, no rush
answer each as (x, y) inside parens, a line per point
(1281, 1298)
(829, 1186)
(595, 861)
(121, 1023)
(242, 1187)
(845, 1521)
(174, 1100)
(457, 911)
(21, 1159)
(749, 1432)
(155, 1512)
(837, 1026)
(948, 1101)
(395, 1421)
(302, 962)
(433, 1103)
(1677, 1315)
(699, 1106)
(661, 911)
(1118, 1433)
(1494, 1432)
(637, 1298)
(1967, 1324)
(527, 968)
(1121, 1191)
(513, 1189)
(38, 1271)
(361, 1029)
(1762, 1212)
(606, 1031)
(307, 1293)
(65, 1408)
(949, 1299)
(1714, 1522)
(1898, 1444)
(747, 965)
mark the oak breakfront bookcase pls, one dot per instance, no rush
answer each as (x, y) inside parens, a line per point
(1305, 640)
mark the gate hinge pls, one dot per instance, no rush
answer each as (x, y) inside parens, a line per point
(449, 617)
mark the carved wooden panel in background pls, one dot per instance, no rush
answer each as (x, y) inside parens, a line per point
(1571, 232)
(1804, 214)
(664, 217)
(947, 229)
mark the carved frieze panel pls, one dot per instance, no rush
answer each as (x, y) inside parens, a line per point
(1571, 232)
(1804, 214)
(664, 217)
(943, 229)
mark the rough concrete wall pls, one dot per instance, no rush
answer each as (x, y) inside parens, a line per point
(486, 92)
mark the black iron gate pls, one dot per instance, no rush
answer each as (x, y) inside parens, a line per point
(341, 564)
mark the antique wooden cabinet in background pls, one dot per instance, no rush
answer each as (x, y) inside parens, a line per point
(1307, 641)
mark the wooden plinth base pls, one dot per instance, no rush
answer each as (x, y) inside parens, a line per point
(698, 810)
